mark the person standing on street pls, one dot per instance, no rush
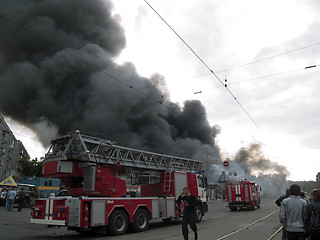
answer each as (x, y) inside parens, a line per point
(312, 219)
(292, 212)
(10, 199)
(3, 197)
(42, 194)
(280, 199)
(189, 214)
(33, 196)
(278, 202)
(21, 197)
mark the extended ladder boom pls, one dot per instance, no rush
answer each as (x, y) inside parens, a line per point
(92, 150)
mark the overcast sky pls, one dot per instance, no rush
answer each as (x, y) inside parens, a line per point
(279, 94)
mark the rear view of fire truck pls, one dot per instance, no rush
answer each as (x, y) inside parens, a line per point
(98, 174)
(244, 194)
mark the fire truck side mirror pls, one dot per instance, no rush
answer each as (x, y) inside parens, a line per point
(260, 189)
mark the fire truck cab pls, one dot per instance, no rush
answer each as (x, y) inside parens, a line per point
(243, 194)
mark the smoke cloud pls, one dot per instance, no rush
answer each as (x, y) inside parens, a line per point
(252, 160)
(250, 163)
(53, 80)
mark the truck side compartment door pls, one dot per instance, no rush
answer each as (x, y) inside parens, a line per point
(201, 188)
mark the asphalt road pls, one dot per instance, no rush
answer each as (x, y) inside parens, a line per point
(219, 223)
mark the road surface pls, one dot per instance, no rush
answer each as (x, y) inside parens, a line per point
(220, 223)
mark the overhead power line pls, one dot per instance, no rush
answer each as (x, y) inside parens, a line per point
(202, 61)
(82, 60)
(271, 75)
(32, 138)
(260, 60)
(130, 87)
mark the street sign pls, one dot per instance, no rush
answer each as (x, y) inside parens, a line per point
(226, 163)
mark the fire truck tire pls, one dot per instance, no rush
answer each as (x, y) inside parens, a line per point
(233, 209)
(118, 223)
(141, 221)
(251, 208)
(258, 205)
(199, 213)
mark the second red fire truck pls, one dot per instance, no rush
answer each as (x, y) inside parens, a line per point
(98, 174)
(243, 194)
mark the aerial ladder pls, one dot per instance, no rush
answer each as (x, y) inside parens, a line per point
(98, 173)
(88, 162)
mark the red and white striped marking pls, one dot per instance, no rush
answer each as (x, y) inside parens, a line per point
(238, 191)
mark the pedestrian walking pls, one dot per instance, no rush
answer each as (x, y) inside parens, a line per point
(189, 214)
(292, 212)
(21, 198)
(278, 202)
(10, 199)
(312, 218)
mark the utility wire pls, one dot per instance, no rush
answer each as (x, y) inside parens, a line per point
(200, 59)
(111, 76)
(260, 60)
(130, 87)
(82, 60)
(271, 75)
(263, 77)
(34, 139)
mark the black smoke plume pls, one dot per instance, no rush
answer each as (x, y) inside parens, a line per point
(55, 60)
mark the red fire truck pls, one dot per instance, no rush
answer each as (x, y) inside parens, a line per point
(244, 194)
(98, 175)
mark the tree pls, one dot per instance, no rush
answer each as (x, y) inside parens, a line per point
(29, 167)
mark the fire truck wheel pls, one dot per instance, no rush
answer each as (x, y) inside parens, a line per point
(233, 209)
(258, 205)
(199, 213)
(118, 223)
(251, 208)
(141, 221)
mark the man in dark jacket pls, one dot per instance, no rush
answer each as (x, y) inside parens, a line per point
(313, 232)
(189, 215)
(280, 199)
(21, 197)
